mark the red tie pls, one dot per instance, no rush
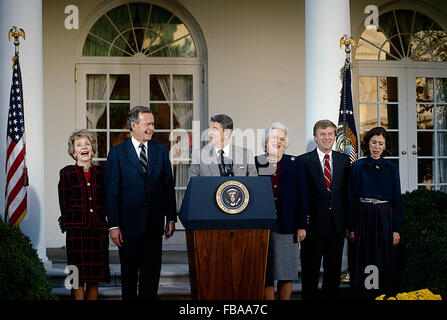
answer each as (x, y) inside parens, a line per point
(327, 172)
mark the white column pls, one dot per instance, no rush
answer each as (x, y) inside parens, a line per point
(27, 15)
(326, 22)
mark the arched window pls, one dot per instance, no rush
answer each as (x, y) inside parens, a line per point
(142, 53)
(139, 28)
(403, 34)
(401, 84)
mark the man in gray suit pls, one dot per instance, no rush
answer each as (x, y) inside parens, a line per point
(219, 157)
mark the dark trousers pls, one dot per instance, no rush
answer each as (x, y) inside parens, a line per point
(329, 247)
(141, 265)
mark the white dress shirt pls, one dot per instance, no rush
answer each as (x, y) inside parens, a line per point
(226, 151)
(136, 145)
(321, 156)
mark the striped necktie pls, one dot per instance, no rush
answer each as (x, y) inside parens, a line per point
(327, 172)
(143, 158)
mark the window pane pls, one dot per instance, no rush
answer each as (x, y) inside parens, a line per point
(389, 116)
(424, 116)
(441, 117)
(394, 143)
(118, 137)
(388, 89)
(365, 51)
(96, 116)
(96, 87)
(425, 144)
(368, 89)
(121, 46)
(120, 17)
(104, 29)
(424, 89)
(368, 116)
(159, 87)
(183, 47)
(443, 188)
(442, 170)
(181, 174)
(182, 87)
(101, 144)
(118, 115)
(442, 144)
(425, 171)
(362, 136)
(181, 149)
(162, 137)
(182, 115)
(95, 47)
(161, 115)
(441, 90)
(119, 86)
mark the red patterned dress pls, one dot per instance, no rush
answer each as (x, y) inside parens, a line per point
(81, 200)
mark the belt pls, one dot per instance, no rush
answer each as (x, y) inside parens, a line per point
(373, 201)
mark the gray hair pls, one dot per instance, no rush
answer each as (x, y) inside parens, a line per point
(276, 125)
(132, 116)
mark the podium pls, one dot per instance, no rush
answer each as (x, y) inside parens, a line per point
(227, 222)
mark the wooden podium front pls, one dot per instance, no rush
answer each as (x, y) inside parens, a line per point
(227, 264)
(227, 251)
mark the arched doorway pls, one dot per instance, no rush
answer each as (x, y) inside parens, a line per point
(142, 53)
(401, 84)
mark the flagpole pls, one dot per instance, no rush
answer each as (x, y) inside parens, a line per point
(17, 33)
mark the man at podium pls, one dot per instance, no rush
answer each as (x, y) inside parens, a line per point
(219, 157)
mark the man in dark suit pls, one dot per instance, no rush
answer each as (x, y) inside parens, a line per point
(139, 195)
(327, 176)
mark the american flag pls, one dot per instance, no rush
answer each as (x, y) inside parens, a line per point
(16, 173)
(346, 132)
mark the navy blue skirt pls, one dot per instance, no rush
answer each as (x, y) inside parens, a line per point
(373, 246)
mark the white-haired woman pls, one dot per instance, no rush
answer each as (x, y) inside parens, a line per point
(290, 194)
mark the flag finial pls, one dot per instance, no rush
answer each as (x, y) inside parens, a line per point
(347, 42)
(16, 33)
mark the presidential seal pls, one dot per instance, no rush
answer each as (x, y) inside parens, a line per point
(232, 197)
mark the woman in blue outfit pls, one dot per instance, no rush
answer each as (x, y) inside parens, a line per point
(375, 196)
(290, 195)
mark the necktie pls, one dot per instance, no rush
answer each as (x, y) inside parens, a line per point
(222, 163)
(143, 158)
(327, 172)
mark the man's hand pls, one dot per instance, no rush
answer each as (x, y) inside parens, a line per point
(396, 238)
(301, 234)
(116, 236)
(169, 231)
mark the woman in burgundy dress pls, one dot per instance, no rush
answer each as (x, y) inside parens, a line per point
(81, 200)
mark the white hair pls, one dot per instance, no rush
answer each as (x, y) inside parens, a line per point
(276, 125)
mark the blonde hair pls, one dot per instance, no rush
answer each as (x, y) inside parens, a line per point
(82, 133)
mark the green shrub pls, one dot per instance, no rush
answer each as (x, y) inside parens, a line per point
(22, 274)
(423, 249)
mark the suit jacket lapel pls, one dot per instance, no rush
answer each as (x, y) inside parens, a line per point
(210, 159)
(132, 156)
